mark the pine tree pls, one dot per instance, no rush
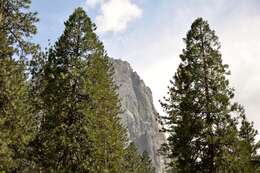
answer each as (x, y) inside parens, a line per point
(78, 106)
(202, 130)
(248, 157)
(146, 163)
(132, 159)
(136, 163)
(106, 130)
(17, 24)
(59, 79)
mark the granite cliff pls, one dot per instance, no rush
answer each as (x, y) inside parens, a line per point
(139, 115)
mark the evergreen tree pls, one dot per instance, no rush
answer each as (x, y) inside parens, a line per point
(202, 133)
(146, 163)
(77, 104)
(249, 159)
(106, 130)
(136, 163)
(132, 159)
(17, 24)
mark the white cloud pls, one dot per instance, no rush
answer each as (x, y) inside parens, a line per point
(241, 50)
(115, 15)
(153, 51)
(92, 3)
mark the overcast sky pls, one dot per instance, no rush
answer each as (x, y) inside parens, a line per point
(148, 34)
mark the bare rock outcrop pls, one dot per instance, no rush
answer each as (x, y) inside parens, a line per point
(139, 115)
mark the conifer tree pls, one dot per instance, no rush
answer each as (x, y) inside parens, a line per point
(78, 104)
(59, 88)
(17, 25)
(132, 159)
(106, 130)
(200, 114)
(248, 156)
(146, 163)
(136, 163)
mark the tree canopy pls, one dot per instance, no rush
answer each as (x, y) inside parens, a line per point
(202, 121)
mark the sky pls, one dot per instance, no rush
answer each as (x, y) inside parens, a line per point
(148, 34)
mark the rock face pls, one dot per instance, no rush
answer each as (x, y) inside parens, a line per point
(139, 115)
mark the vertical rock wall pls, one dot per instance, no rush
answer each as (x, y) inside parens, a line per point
(139, 115)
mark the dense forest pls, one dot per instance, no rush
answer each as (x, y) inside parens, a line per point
(59, 107)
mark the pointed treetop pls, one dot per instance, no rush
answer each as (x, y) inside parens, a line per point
(79, 36)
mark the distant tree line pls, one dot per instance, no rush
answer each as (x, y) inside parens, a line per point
(59, 107)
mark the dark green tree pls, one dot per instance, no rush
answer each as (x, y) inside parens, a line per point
(106, 130)
(136, 163)
(248, 157)
(17, 25)
(200, 114)
(146, 163)
(59, 79)
(132, 159)
(77, 103)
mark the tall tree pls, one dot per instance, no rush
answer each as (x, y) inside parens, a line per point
(78, 104)
(106, 130)
(17, 25)
(59, 88)
(200, 123)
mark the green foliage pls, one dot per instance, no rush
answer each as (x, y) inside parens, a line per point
(146, 164)
(203, 130)
(77, 104)
(17, 124)
(62, 99)
(18, 24)
(249, 159)
(136, 163)
(106, 130)
(132, 159)
(65, 118)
